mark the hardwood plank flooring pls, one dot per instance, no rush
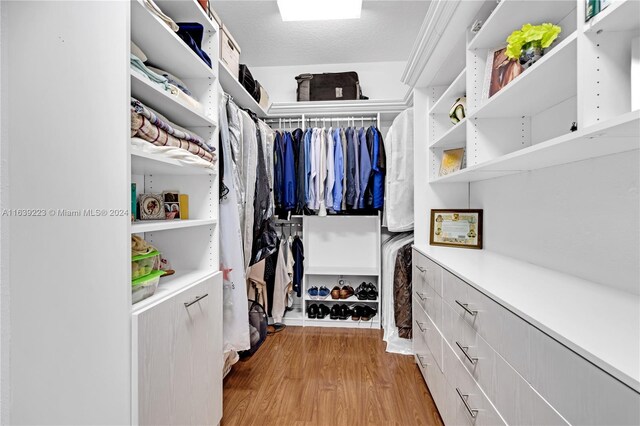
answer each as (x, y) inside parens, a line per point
(325, 376)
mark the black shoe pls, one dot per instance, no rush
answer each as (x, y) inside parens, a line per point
(367, 313)
(357, 313)
(312, 311)
(362, 292)
(345, 312)
(323, 311)
(335, 312)
(372, 292)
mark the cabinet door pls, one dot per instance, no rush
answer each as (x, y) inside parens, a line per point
(178, 354)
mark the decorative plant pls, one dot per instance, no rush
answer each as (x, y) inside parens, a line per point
(531, 36)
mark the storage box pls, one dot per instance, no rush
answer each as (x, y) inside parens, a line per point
(145, 287)
(144, 264)
(264, 99)
(229, 51)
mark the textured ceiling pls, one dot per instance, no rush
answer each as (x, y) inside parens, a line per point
(385, 32)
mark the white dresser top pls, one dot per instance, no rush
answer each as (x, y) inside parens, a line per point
(598, 322)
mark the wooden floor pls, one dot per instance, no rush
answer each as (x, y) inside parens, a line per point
(324, 376)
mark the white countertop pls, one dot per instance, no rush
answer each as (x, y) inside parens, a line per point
(600, 323)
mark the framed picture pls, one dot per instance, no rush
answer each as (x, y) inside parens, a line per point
(151, 207)
(452, 161)
(500, 71)
(456, 228)
(172, 204)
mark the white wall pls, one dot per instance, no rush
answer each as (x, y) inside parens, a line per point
(580, 218)
(379, 80)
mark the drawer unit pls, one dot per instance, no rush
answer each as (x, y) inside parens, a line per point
(577, 389)
(470, 406)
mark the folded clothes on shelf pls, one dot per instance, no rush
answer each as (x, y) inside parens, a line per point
(179, 154)
(139, 66)
(162, 122)
(172, 79)
(153, 8)
(144, 129)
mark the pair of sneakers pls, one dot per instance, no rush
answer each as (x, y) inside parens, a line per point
(318, 293)
(367, 291)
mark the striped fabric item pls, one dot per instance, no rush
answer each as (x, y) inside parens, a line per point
(145, 129)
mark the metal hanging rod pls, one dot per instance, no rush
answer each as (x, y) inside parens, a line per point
(283, 120)
(342, 118)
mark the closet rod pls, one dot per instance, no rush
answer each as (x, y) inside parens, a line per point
(341, 118)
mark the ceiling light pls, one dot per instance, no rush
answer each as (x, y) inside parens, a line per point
(319, 10)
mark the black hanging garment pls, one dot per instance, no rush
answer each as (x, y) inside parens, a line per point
(402, 292)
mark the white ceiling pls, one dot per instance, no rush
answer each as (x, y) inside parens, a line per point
(385, 32)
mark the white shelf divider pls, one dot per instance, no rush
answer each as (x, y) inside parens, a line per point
(144, 163)
(352, 299)
(165, 225)
(167, 104)
(455, 90)
(617, 135)
(454, 137)
(241, 97)
(510, 15)
(622, 15)
(163, 47)
(549, 81)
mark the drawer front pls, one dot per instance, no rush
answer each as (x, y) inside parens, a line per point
(418, 341)
(431, 302)
(505, 332)
(578, 390)
(178, 354)
(470, 406)
(438, 386)
(429, 271)
(426, 330)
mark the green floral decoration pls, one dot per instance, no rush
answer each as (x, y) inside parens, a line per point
(531, 35)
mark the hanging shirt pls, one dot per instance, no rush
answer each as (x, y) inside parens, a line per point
(373, 154)
(298, 265)
(322, 173)
(331, 177)
(313, 171)
(356, 141)
(352, 177)
(307, 163)
(298, 142)
(379, 170)
(278, 169)
(365, 168)
(343, 141)
(339, 171)
(280, 285)
(289, 194)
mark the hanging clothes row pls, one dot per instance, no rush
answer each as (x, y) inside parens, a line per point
(328, 171)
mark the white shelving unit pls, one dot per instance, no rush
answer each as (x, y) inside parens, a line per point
(341, 247)
(526, 169)
(164, 225)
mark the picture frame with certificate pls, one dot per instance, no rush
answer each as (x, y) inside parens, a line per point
(456, 228)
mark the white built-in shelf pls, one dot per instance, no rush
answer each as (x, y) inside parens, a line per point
(559, 304)
(241, 97)
(187, 11)
(619, 16)
(454, 137)
(358, 108)
(163, 47)
(455, 90)
(344, 271)
(510, 15)
(549, 81)
(144, 163)
(352, 299)
(620, 134)
(165, 225)
(167, 104)
(172, 284)
(338, 323)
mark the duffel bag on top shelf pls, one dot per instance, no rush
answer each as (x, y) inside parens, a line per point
(340, 86)
(246, 79)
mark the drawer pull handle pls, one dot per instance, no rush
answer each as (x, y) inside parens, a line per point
(420, 326)
(420, 361)
(473, 413)
(194, 301)
(465, 306)
(464, 350)
(421, 269)
(422, 296)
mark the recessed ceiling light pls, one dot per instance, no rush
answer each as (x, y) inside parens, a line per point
(319, 10)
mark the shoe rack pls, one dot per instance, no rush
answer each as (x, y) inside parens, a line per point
(341, 248)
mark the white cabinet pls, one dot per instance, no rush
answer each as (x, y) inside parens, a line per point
(178, 357)
(506, 369)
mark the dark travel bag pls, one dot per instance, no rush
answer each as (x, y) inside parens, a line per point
(341, 86)
(246, 79)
